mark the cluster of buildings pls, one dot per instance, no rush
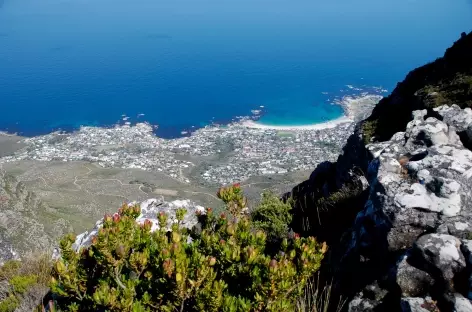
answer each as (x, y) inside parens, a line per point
(264, 151)
(231, 153)
(214, 155)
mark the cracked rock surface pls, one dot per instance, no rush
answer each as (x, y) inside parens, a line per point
(417, 219)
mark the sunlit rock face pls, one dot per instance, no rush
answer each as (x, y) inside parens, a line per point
(150, 209)
(419, 211)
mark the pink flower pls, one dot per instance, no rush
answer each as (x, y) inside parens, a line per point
(116, 218)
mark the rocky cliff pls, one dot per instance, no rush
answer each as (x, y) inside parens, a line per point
(447, 80)
(396, 207)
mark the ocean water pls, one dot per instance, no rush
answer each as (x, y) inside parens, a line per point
(183, 64)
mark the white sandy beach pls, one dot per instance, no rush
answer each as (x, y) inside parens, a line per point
(318, 126)
(352, 109)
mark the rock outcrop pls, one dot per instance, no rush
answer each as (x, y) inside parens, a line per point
(408, 247)
(415, 223)
(396, 207)
(447, 80)
(150, 209)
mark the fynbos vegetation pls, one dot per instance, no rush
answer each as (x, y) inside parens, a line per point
(23, 283)
(224, 266)
(273, 216)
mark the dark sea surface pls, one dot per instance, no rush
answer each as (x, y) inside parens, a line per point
(186, 64)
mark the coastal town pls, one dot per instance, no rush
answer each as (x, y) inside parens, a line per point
(213, 155)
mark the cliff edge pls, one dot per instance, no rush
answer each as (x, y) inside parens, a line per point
(396, 207)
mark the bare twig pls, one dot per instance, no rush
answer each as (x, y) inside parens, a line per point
(117, 279)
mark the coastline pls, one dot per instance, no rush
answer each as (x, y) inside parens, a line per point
(355, 108)
(136, 146)
(4, 133)
(319, 126)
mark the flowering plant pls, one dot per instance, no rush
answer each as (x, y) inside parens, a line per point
(226, 266)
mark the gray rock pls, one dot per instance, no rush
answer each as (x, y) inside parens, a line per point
(445, 196)
(447, 201)
(441, 252)
(7, 251)
(455, 116)
(452, 135)
(417, 305)
(391, 165)
(21, 231)
(413, 282)
(419, 114)
(462, 304)
(362, 304)
(404, 205)
(416, 197)
(419, 204)
(426, 133)
(466, 248)
(458, 227)
(468, 132)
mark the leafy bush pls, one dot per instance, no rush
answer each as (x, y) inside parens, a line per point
(369, 128)
(456, 90)
(9, 304)
(9, 269)
(23, 283)
(345, 193)
(273, 216)
(234, 198)
(20, 284)
(224, 267)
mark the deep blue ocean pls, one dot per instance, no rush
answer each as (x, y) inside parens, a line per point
(182, 63)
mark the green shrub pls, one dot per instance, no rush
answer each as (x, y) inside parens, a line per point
(369, 129)
(22, 283)
(223, 267)
(9, 269)
(9, 304)
(469, 235)
(234, 198)
(335, 198)
(272, 216)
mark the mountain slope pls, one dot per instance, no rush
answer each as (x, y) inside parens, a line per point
(381, 205)
(447, 80)
(20, 230)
